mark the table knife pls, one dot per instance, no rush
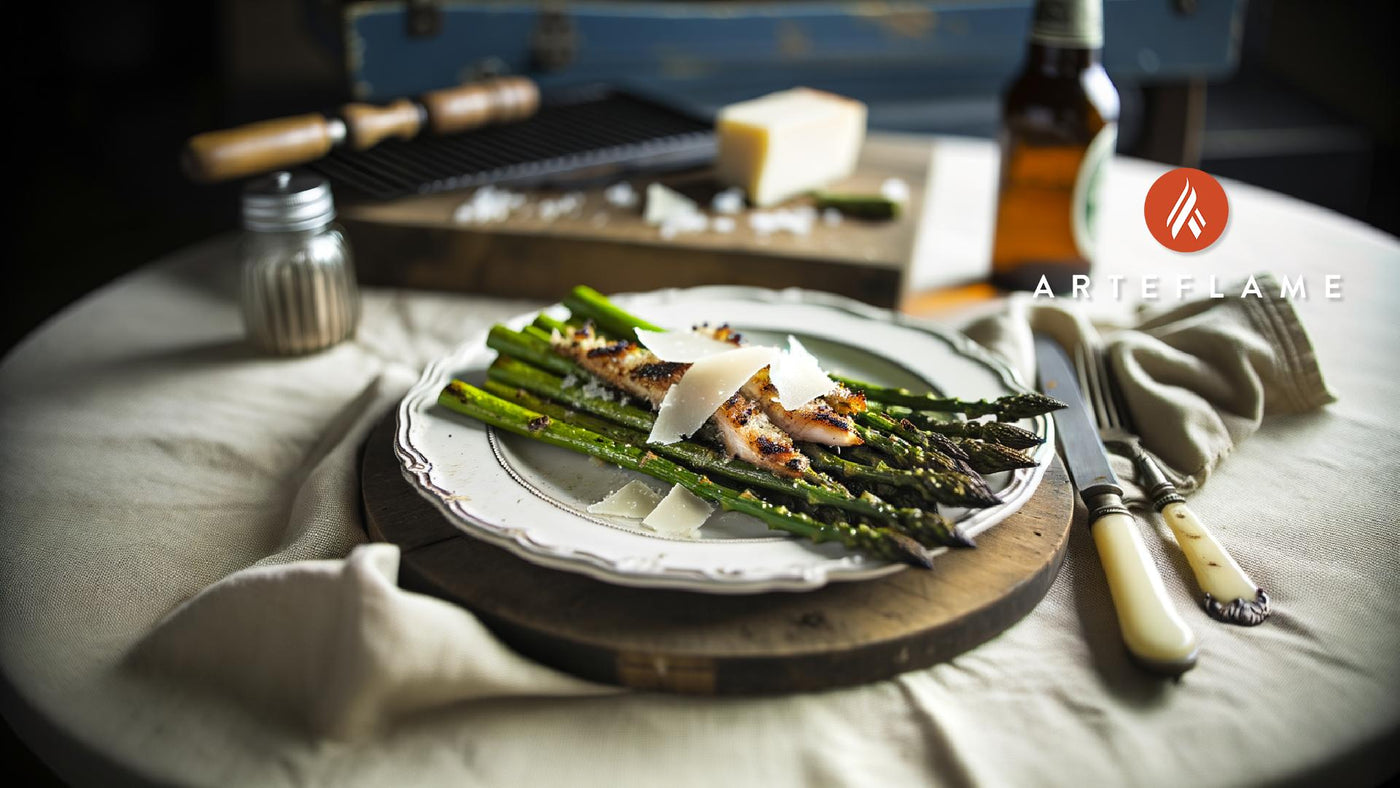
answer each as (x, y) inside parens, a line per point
(1153, 631)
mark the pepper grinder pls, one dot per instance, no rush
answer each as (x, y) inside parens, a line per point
(298, 291)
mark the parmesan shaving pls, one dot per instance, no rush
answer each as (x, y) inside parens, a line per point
(665, 204)
(705, 386)
(680, 513)
(673, 212)
(682, 347)
(634, 501)
(798, 376)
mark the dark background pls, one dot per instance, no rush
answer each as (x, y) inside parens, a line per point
(113, 88)
(108, 91)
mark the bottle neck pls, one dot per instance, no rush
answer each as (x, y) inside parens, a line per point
(1055, 60)
(1071, 24)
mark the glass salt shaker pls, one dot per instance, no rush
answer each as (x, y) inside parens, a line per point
(298, 292)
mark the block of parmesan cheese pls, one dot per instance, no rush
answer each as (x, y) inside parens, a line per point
(786, 143)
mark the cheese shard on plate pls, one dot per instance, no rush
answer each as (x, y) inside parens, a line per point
(705, 386)
(680, 513)
(682, 347)
(798, 376)
(787, 143)
(634, 501)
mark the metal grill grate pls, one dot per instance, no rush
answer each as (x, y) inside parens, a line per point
(601, 130)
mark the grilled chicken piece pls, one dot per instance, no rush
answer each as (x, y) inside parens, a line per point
(749, 435)
(623, 364)
(817, 421)
(743, 428)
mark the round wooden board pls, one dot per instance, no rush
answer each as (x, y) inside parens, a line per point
(680, 641)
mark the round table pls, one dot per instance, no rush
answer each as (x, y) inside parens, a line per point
(148, 453)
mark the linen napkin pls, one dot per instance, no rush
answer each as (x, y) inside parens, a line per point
(327, 643)
(1197, 377)
(336, 648)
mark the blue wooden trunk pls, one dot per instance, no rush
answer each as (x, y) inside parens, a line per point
(902, 58)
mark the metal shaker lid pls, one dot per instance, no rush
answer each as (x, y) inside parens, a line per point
(286, 201)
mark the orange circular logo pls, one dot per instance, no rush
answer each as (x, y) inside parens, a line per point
(1186, 210)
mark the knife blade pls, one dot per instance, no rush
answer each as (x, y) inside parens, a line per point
(1153, 631)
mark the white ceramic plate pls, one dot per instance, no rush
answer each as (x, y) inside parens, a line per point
(531, 498)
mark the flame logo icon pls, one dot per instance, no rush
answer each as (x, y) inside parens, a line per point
(1185, 212)
(1198, 196)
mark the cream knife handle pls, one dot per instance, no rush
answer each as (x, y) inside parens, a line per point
(1152, 629)
(1230, 595)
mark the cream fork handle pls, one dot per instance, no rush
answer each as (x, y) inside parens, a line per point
(1230, 596)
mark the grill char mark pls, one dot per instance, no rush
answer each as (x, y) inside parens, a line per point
(768, 446)
(618, 348)
(660, 370)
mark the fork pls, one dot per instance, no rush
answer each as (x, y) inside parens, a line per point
(1230, 596)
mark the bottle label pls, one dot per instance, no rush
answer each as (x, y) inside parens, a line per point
(1084, 206)
(1068, 23)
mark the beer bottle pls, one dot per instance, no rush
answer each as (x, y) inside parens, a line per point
(1059, 126)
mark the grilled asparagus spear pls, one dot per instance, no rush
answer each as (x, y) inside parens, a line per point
(926, 526)
(482, 406)
(1008, 435)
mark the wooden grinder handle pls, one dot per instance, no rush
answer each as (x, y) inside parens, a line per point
(368, 125)
(257, 147)
(499, 100)
(285, 142)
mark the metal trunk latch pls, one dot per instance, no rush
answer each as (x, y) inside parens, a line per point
(555, 40)
(424, 18)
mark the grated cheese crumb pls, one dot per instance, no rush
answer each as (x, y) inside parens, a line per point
(895, 190)
(729, 201)
(487, 205)
(621, 194)
(564, 205)
(596, 389)
(797, 221)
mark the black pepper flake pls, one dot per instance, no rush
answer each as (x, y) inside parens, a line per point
(615, 349)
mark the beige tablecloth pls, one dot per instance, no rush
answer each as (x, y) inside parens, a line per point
(145, 454)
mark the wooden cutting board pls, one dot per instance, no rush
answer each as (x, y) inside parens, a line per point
(415, 242)
(678, 641)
